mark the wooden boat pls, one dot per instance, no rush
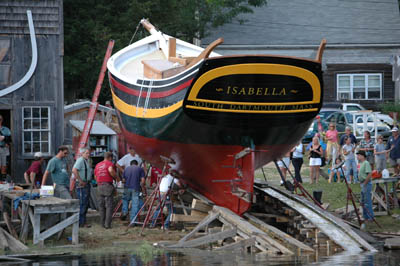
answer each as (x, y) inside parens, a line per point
(218, 117)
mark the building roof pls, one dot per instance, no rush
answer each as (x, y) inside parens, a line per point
(306, 22)
(86, 104)
(98, 128)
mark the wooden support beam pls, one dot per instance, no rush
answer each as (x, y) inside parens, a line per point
(204, 240)
(3, 241)
(241, 244)
(201, 206)
(58, 227)
(185, 218)
(13, 243)
(10, 227)
(171, 47)
(275, 232)
(206, 221)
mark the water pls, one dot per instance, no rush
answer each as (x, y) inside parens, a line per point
(198, 257)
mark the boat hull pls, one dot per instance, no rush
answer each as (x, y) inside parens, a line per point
(221, 124)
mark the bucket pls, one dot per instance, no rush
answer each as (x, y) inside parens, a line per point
(317, 194)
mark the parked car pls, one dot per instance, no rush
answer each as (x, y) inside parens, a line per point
(343, 119)
(355, 107)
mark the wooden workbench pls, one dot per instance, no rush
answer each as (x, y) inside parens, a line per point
(48, 205)
(382, 196)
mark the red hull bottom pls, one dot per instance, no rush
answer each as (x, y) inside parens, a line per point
(209, 169)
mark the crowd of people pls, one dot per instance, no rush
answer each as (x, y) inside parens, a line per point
(347, 159)
(129, 170)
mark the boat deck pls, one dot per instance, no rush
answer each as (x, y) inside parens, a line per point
(135, 67)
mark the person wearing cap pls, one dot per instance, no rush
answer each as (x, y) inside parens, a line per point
(393, 145)
(34, 173)
(365, 177)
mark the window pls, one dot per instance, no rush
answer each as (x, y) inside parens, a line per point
(5, 62)
(359, 86)
(36, 130)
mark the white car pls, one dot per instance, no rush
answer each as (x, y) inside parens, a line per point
(351, 107)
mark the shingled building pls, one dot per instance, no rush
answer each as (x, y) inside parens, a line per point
(31, 78)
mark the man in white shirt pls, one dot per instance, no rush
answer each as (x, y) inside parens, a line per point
(125, 161)
(166, 184)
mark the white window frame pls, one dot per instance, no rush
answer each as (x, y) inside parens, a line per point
(365, 75)
(36, 130)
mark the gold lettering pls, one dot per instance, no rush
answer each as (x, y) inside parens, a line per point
(228, 89)
(242, 91)
(266, 91)
(234, 90)
(283, 92)
(259, 91)
(251, 91)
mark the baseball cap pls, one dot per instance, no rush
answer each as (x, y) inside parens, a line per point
(38, 154)
(395, 129)
(362, 153)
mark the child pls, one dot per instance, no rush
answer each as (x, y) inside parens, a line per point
(350, 159)
(380, 154)
(336, 174)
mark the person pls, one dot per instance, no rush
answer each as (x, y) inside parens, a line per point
(82, 171)
(135, 181)
(380, 153)
(335, 172)
(34, 174)
(155, 175)
(316, 153)
(105, 174)
(350, 160)
(366, 186)
(57, 167)
(393, 145)
(347, 134)
(332, 136)
(5, 140)
(166, 184)
(125, 161)
(367, 145)
(297, 161)
(284, 164)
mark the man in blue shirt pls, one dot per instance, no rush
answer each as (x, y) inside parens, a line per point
(393, 145)
(57, 167)
(134, 179)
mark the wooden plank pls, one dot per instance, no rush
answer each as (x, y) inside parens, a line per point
(206, 221)
(206, 239)
(392, 243)
(58, 227)
(199, 205)
(13, 243)
(380, 201)
(36, 228)
(275, 232)
(185, 218)
(250, 229)
(3, 240)
(199, 196)
(9, 225)
(241, 244)
(196, 213)
(181, 201)
(171, 47)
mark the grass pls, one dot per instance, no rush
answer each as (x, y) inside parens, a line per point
(333, 193)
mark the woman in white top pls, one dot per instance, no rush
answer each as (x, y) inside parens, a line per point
(284, 165)
(297, 161)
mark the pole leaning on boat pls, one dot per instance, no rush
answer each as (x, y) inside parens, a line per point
(161, 38)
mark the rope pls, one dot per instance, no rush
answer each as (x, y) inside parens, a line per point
(140, 94)
(146, 103)
(134, 34)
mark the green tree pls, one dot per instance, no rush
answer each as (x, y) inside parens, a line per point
(90, 24)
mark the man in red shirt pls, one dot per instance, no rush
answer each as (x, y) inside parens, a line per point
(105, 175)
(34, 173)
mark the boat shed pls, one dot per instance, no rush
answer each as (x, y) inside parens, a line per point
(31, 79)
(105, 124)
(363, 38)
